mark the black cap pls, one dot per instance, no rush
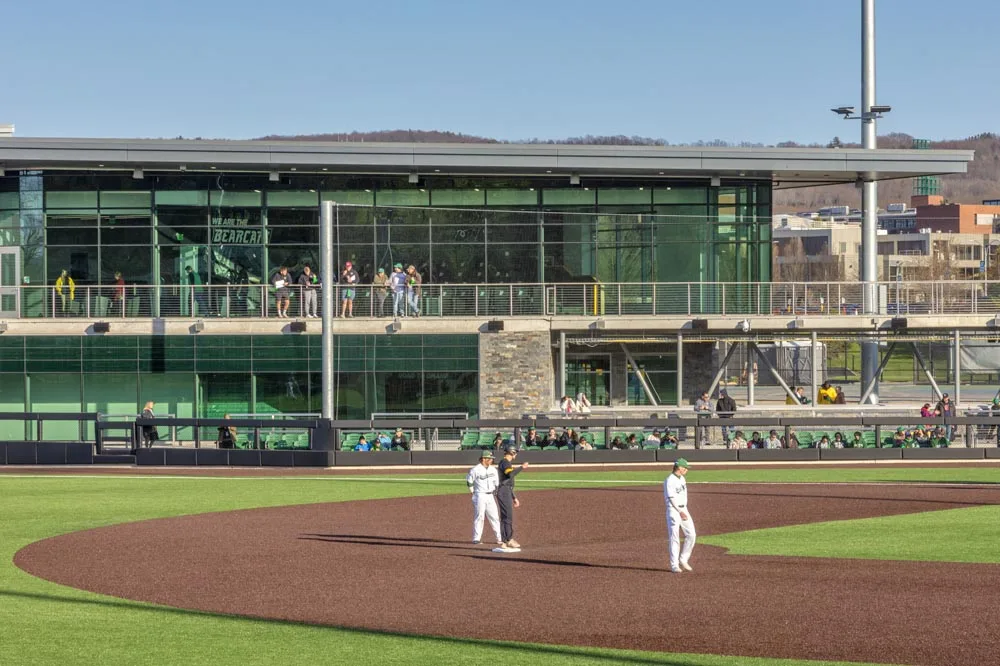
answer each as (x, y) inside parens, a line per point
(510, 448)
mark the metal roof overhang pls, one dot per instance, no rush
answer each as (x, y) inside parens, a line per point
(785, 167)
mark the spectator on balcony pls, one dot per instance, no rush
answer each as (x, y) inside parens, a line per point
(826, 394)
(725, 408)
(308, 285)
(738, 441)
(532, 438)
(772, 441)
(947, 409)
(413, 283)
(399, 441)
(64, 281)
(838, 440)
(567, 406)
(349, 278)
(380, 285)
(857, 442)
(193, 279)
(756, 441)
(840, 398)
(282, 290)
(702, 408)
(582, 404)
(800, 397)
(791, 441)
(118, 297)
(397, 283)
(926, 412)
(149, 432)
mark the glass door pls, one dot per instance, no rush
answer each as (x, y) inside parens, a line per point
(10, 269)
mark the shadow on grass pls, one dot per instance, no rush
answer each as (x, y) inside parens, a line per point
(514, 649)
(833, 496)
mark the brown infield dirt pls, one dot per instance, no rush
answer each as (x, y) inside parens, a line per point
(592, 572)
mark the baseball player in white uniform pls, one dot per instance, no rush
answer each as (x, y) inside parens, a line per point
(483, 481)
(679, 517)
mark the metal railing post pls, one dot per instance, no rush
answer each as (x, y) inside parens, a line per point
(619, 299)
(510, 287)
(723, 299)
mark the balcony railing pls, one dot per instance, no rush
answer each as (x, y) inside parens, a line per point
(691, 299)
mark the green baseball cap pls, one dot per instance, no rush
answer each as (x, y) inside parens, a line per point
(681, 462)
(486, 454)
(381, 270)
(398, 266)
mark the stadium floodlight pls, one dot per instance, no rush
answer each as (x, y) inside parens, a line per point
(414, 178)
(574, 178)
(274, 176)
(881, 109)
(846, 111)
(137, 173)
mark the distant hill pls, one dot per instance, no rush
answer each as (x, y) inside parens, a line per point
(981, 182)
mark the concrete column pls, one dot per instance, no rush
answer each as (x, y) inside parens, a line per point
(680, 370)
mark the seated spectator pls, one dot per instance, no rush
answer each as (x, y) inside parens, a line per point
(921, 437)
(532, 438)
(632, 441)
(756, 441)
(772, 441)
(582, 404)
(939, 438)
(899, 439)
(668, 440)
(791, 441)
(498, 442)
(653, 438)
(617, 444)
(838, 440)
(399, 441)
(858, 441)
(383, 442)
(551, 438)
(227, 436)
(362, 444)
(583, 444)
(738, 441)
(824, 442)
(569, 439)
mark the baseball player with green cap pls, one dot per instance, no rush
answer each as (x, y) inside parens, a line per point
(679, 517)
(483, 481)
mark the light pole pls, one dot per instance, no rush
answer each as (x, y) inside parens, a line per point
(870, 112)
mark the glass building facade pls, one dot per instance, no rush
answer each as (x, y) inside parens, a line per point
(239, 228)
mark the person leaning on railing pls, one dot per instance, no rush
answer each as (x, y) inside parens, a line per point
(227, 436)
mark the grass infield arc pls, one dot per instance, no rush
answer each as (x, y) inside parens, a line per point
(593, 572)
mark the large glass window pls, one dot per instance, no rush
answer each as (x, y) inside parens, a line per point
(592, 376)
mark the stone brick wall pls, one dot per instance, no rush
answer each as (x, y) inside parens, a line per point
(516, 374)
(701, 362)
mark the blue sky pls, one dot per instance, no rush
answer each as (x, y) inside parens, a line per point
(681, 70)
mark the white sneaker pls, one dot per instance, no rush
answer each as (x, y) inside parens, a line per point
(678, 570)
(686, 566)
(513, 544)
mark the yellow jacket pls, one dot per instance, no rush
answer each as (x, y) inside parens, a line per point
(69, 282)
(826, 396)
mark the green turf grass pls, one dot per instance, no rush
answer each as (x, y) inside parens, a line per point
(45, 623)
(953, 535)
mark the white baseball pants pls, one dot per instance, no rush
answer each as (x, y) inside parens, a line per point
(674, 528)
(485, 505)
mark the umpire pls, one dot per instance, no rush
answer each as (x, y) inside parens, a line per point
(506, 497)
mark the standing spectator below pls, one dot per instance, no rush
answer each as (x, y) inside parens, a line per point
(582, 403)
(532, 438)
(800, 397)
(227, 436)
(381, 287)
(567, 406)
(791, 441)
(702, 407)
(483, 481)
(840, 398)
(507, 499)
(397, 282)
(399, 441)
(282, 292)
(413, 282)
(678, 517)
(149, 432)
(772, 441)
(308, 283)
(725, 408)
(826, 394)
(350, 278)
(947, 410)
(118, 299)
(738, 441)
(64, 280)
